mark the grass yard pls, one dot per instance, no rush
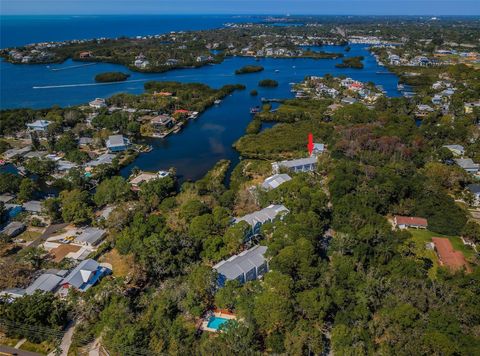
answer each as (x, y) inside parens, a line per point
(422, 237)
(121, 265)
(43, 348)
(29, 235)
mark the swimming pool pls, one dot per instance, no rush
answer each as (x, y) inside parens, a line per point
(215, 322)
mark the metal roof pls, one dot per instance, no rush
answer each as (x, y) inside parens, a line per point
(274, 181)
(33, 206)
(241, 263)
(467, 163)
(474, 188)
(116, 140)
(298, 162)
(262, 216)
(46, 282)
(90, 235)
(82, 273)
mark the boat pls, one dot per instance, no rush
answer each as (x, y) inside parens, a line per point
(217, 102)
(255, 110)
(277, 70)
(194, 115)
(400, 86)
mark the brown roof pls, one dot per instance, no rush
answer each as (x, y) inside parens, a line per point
(448, 256)
(61, 251)
(410, 220)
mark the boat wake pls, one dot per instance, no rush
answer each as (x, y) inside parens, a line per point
(86, 84)
(72, 67)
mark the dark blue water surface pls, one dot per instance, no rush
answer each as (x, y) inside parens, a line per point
(204, 141)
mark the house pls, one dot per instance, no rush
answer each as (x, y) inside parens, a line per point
(98, 103)
(106, 158)
(162, 123)
(405, 222)
(117, 143)
(38, 125)
(469, 107)
(258, 218)
(33, 206)
(475, 190)
(318, 148)
(16, 152)
(85, 141)
(447, 256)
(13, 229)
(246, 266)
(468, 165)
(5, 198)
(423, 110)
(85, 54)
(91, 236)
(84, 276)
(297, 165)
(349, 100)
(65, 166)
(46, 282)
(456, 150)
(437, 99)
(142, 178)
(274, 181)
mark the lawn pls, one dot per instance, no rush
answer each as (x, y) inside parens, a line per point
(421, 237)
(29, 235)
(121, 265)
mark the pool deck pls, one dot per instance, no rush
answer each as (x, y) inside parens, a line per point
(218, 313)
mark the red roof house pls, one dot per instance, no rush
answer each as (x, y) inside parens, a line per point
(448, 256)
(404, 222)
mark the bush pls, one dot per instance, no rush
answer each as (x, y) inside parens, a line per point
(111, 77)
(270, 83)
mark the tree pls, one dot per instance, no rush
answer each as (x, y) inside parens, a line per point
(40, 167)
(35, 256)
(76, 206)
(37, 317)
(9, 183)
(112, 190)
(152, 193)
(52, 206)
(471, 232)
(27, 189)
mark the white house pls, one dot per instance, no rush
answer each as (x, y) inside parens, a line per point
(39, 125)
(475, 190)
(98, 103)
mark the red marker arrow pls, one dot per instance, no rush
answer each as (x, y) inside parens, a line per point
(310, 144)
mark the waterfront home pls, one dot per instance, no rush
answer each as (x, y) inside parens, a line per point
(447, 256)
(274, 181)
(84, 276)
(13, 229)
(437, 99)
(405, 222)
(90, 236)
(468, 165)
(161, 123)
(106, 158)
(117, 143)
(258, 218)
(85, 54)
(296, 165)
(457, 150)
(39, 125)
(475, 190)
(141, 178)
(98, 103)
(246, 266)
(142, 64)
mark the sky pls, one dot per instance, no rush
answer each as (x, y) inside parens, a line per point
(303, 7)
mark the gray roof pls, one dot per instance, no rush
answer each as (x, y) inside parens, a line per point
(33, 206)
(36, 154)
(116, 141)
(106, 158)
(5, 198)
(467, 163)
(91, 236)
(63, 165)
(455, 147)
(262, 216)
(474, 188)
(274, 181)
(241, 263)
(46, 282)
(85, 140)
(13, 229)
(16, 152)
(82, 273)
(298, 162)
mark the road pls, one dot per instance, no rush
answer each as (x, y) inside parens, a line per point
(9, 351)
(48, 232)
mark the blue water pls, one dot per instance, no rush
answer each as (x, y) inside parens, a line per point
(202, 142)
(22, 30)
(216, 322)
